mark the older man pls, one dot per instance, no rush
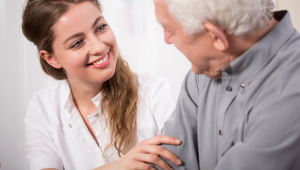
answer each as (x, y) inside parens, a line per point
(239, 107)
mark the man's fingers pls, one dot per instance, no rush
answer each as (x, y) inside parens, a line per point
(161, 151)
(161, 139)
(153, 159)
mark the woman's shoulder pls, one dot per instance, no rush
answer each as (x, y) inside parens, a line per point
(52, 91)
(46, 104)
(148, 80)
(52, 96)
(157, 102)
(150, 84)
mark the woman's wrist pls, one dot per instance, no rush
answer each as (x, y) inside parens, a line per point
(109, 166)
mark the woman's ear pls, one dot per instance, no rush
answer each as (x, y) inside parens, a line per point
(50, 59)
(218, 36)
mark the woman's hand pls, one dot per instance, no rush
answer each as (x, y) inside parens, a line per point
(148, 151)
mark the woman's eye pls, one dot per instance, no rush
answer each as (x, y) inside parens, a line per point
(76, 44)
(102, 27)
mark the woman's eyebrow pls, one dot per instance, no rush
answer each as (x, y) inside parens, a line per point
(81, 34)
(96, 21)
(73, 36)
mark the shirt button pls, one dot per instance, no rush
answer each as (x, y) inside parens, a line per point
(220, 132)
(70, 126)
(242, 86)
(232, 143)
(229, 88)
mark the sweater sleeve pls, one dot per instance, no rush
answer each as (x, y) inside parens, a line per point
(183, 125)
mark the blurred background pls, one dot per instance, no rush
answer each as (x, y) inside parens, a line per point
(141, 43)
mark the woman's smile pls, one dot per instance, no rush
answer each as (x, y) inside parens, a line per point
(101, 62)
(93, 54)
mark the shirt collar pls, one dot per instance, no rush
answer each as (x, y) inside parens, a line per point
(67, 99)
(66, 96)
(249, 64)
(96, 100)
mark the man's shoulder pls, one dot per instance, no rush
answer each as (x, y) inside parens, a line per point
(287, 61)
(281, 77)
(292, 46)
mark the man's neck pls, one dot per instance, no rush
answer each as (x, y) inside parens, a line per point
(241, 44)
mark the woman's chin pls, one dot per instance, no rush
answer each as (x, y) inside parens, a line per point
(108, 74)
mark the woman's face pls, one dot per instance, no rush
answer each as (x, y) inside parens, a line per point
(84, 45)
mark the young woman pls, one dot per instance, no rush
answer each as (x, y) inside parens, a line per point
(94, 117)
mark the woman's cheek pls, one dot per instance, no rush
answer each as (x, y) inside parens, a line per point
(77, 59)
(114, 45)
(111, 39)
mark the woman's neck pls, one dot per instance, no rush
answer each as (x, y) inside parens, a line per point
(82, 93)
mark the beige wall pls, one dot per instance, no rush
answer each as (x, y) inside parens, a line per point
(293, 6)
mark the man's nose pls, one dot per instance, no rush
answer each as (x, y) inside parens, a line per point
(97, 46)
(168, 37)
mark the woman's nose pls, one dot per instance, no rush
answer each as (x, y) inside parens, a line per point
(97, 46)
(168, 37)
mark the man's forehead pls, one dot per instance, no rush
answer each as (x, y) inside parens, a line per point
(161, 6)
(162, 13)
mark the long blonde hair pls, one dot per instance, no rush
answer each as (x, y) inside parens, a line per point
(120, 92)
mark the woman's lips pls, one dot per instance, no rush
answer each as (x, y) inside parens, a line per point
(102, 62)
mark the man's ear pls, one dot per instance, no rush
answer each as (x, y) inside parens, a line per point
(218, 36)
(50, 59)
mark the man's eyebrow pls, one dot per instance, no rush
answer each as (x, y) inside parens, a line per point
(81, 34)
(73, 36)
(162, 24)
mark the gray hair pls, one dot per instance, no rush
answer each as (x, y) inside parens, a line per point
(237, 17)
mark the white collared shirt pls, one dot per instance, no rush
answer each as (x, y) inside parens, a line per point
(57, 136)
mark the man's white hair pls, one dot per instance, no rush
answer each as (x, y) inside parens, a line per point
(237, 17)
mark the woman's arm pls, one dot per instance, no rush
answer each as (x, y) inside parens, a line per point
(40, 146)
(42, 153)
(146, 151)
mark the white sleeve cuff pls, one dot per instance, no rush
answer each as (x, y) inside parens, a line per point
(48, 161)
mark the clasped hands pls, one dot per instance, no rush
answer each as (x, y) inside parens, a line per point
(147, 151)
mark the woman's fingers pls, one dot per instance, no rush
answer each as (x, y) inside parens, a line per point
(161, 139)
(153, 159)
(140, 166)
(161, 151)
(149, 151)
